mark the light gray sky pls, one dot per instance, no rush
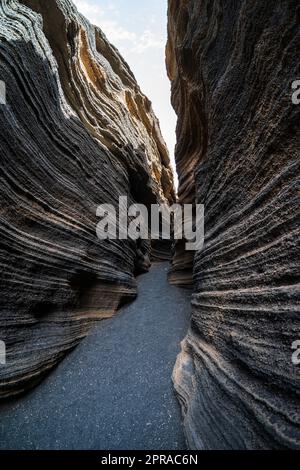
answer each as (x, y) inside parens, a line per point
(138, 28)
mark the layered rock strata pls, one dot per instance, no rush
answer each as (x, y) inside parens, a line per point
(232, 64)
(76, 132)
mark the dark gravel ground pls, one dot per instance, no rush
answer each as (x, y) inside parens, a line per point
(114, 391)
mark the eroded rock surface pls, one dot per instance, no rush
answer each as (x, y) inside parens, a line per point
(76, 132)
(232, 64)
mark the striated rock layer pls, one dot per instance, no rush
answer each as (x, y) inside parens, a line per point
(76, 132)
(232, 64)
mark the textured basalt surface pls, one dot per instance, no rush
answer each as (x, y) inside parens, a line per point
(231, 64)
(76, 132)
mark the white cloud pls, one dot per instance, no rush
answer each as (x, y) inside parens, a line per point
(115, 32)
(148, 40)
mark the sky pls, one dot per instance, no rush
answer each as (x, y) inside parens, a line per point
(138, 28)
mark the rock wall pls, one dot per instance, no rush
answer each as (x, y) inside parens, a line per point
(232, 64)
(76, 132)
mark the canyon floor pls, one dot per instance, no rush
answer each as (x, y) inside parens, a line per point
(114, 391)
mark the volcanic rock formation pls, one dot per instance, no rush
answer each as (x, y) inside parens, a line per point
(76, 132)
(232, 64)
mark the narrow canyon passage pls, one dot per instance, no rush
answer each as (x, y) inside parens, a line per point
(114, 391)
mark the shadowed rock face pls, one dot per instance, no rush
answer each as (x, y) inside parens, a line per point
(232, 64)
(76, 132)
